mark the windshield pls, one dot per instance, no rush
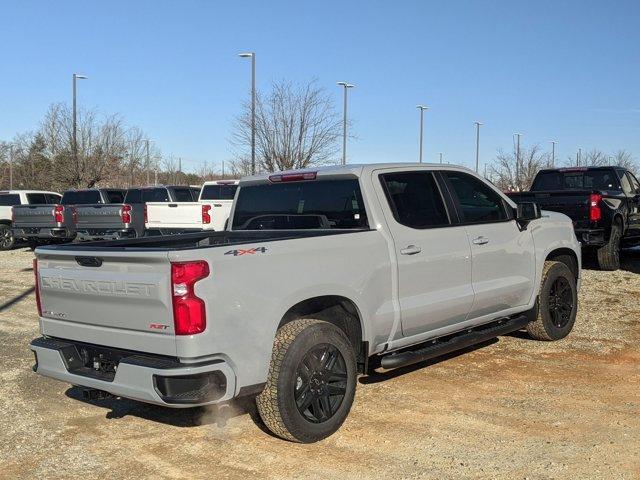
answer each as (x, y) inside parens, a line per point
(315, 204)
(218, 192)
(576, 180)
(81, 197)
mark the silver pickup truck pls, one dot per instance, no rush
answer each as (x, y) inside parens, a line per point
(42, 224)
(320, 276)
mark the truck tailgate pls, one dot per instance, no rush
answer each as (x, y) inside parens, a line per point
(98, 216)
(33, 216)
(116, 298)
(573, 203)
(174, 215)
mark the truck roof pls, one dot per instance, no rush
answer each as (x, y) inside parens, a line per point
(26, 191)
(582, 169)
(351, 169)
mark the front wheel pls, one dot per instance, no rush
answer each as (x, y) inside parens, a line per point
(7, 240)
(311, 382)
(557, 303)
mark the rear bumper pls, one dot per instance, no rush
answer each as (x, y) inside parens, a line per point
(594, 237)
(43, 233)
(140, 376)
(96, 234)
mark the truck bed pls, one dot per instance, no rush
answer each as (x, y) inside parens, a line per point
(205, 239)
(573, 203)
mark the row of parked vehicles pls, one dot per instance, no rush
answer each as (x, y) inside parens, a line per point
(109, 213)
(319, 276)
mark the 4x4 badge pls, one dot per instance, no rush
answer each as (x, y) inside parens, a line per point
(247, 251)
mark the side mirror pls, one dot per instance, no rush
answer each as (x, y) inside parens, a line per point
(527, 212)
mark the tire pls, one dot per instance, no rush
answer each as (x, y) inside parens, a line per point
(7, 240)
(609, 254)
(557, 303)
(310, 359)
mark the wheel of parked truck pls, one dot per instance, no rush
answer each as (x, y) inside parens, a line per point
(609, 254)
(7, 241)
(557, 303)
(311, 381)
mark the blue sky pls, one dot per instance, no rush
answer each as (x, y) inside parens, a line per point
(563, 70)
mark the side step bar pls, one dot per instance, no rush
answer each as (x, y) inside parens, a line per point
(454, 342)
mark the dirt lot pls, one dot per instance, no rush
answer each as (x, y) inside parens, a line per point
(511, 409)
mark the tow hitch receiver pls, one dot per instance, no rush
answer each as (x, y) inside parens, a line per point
(95, 394)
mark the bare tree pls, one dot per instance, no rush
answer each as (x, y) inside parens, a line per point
(508, 174)
(296, 126)
(598, 158)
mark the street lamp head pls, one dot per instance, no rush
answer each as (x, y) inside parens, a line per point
(422, 107)
(82, 77)
(246, 55)
(346, 85)
(478, 123)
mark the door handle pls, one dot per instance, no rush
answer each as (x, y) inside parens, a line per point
(410, 250)
(480, 240)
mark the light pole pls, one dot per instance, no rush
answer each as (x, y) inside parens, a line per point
(553, 153)
(579, 156)
(346, 87)
(477, 145)
(252, 55)
(518, 135)
(11, 167)
(74, 147)
(422, 109)
(147, 162)
(440, 153)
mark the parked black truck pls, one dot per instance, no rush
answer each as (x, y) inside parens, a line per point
(603, 202)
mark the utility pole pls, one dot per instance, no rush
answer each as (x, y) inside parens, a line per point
(179, 170)
(222, 168)
(422, 109)
(518, 135)
(11, 167)
(553, 153)
(252, 55)
(477, 145)
(74, 139)
(155, 175)
(147, 161)
(579, 156)
(440, 157)
(346, 87)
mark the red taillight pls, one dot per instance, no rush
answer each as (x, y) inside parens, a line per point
(35, 272)
(595, 212)
(206, 216)
(292, 177)
(74, 214)
(189, 313)
(58, 212)
(125, 214)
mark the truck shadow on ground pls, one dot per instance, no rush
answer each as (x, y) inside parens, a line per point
(17, 298)
(119, 408)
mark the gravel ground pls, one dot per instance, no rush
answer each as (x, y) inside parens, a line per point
(510, 409)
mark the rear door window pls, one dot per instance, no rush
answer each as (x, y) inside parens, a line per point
(478, 202)
(155, 195)
(415, 199)
(634, 183)
(317, 204)
(115, 196)
(37, 198)
(133, 196)
(183, 194)
(218, 192)
(9, 199)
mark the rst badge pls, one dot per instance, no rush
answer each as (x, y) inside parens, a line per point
(247, 251)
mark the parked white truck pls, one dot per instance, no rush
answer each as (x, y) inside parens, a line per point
(209, 212)
(321, 275)
(12, 198)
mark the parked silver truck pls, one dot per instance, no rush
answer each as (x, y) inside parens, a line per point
(47, 223)
(12, 198)
(320, 276)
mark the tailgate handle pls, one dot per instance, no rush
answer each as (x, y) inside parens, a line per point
(89, 261)
(173, 205)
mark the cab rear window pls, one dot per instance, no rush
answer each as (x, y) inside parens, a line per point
(218, 192)
(576, 180)
(9, 199)
(81, 197)
(318, 204)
